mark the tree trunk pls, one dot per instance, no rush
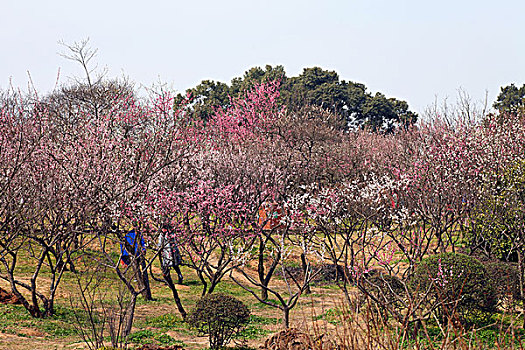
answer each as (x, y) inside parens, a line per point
(264, 294)
(441, 244)
(266, 276)
(304, 266)
(520, 267)
(286, 317)
(142, 277)
(167, 277)
(260, 270)
(49, 308)
(130, 313)
(204, 283)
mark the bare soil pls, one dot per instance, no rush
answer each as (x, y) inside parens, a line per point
(7, 297)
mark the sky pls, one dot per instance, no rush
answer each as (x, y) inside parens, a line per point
(415, 50)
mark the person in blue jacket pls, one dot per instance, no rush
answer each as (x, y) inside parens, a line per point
(131, 241)
(134, 244)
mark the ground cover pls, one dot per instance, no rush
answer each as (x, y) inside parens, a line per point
(156, 322)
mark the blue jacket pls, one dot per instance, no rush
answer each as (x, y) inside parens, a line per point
(131, 239)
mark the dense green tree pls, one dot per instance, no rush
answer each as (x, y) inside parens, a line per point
(378, 113)
(405, 117)
(257, 75)
(315, 86)
(349, 100)
(356, 96)
(204, 98)
(511, 99)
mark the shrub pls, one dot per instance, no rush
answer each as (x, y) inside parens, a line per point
(506, 280)
(220, 316)
(385, 290)
(456, 284)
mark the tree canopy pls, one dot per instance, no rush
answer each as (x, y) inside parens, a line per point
(313, 87)
(511, 99)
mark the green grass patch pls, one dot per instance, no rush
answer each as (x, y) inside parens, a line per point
(332, 315)
(13, 318)
(147, 336)
(165, 322)
(254, 329)
(231, 288)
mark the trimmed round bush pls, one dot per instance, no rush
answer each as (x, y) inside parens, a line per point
(457, 284)
(220, 316)
(387, 291)
(506, 280)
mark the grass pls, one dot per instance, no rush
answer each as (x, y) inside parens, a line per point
(14, 319)
(157, 326)
(158, 322)
(168, 322)
(255, 328)
(165, 322)
(147, 336)
(231, 288)
(486, 338)
(331, 315)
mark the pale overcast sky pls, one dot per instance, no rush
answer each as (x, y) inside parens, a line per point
(413, 49)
